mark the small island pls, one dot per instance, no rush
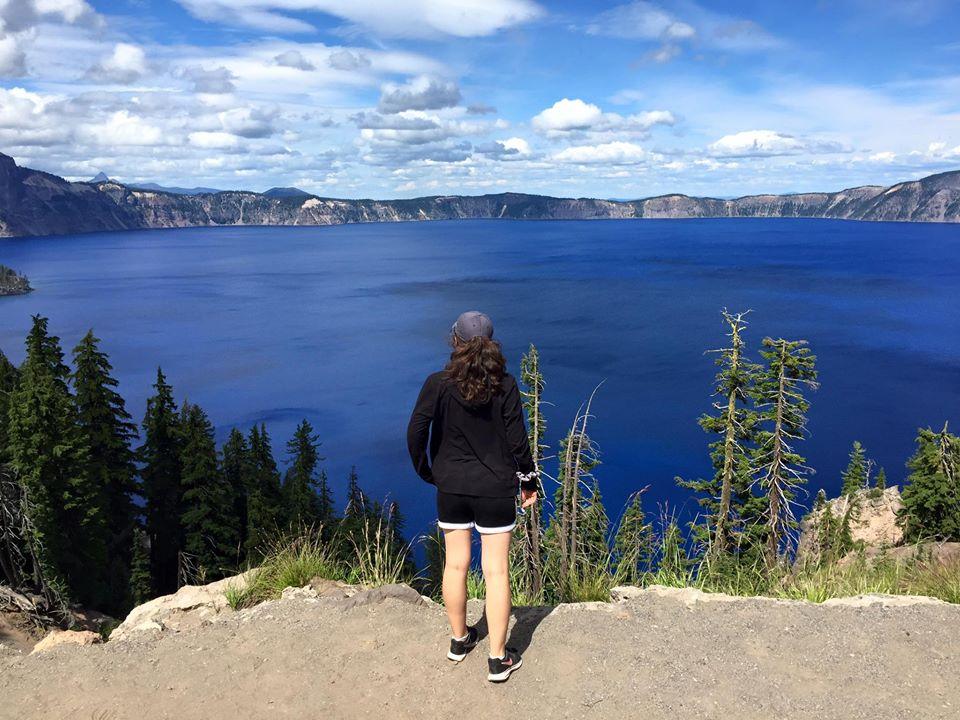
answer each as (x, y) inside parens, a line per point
(12, 282)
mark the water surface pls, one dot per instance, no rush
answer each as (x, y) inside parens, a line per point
(341, 324)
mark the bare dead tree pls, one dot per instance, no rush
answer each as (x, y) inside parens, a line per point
(20, 553)
(579, 456)
(532, 534)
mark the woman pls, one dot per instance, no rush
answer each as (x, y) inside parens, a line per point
(478, 456)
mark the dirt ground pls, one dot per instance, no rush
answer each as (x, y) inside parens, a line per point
(650, 657)
(17, 631)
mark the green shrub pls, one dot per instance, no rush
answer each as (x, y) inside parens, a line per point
(289, 561)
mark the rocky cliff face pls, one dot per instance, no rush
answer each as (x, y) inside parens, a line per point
(12, 283)
(874, 524)
(37, 203)
(875, 531)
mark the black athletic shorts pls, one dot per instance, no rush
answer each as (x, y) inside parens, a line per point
(487, 515)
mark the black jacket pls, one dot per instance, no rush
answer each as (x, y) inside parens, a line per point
(474, 450)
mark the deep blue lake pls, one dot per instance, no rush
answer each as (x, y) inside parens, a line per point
(341, 324)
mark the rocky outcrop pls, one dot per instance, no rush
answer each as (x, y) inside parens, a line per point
(37, 203)
(195, 605)
(13, 283)
(945, 553)
(875, 531)
(59, 638)
(188, 607)
(874, 522)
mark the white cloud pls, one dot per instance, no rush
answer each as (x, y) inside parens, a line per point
(612, 153)
(756, 142)
(690, 23)
(338, 71)
(25, 120)
(19, 20)
(388, 18)
(664, 54)
(214, 140)
(940, 150)
(125, 64)
(421, 93)
(518, 144)
(642, 20)
(13, 59)
(294, 59)
(121, 128)
(515, 148)
(248, 122)
(567, 116)
(216, 81)
(348, 60)
(70, 10)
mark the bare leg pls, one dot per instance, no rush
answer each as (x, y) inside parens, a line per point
(494, 558)
(456, 564)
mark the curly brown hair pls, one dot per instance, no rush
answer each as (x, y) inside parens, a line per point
(477, 368)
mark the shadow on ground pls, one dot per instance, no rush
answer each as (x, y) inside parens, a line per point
(527, 620)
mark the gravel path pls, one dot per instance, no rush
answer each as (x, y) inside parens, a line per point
(649, 657)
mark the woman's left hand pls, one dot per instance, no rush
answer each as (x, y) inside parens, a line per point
(527, 498)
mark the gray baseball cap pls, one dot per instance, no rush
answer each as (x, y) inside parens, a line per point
(471, 324)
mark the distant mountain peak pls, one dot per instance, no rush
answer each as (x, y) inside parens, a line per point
(287, 192)
(100, 177)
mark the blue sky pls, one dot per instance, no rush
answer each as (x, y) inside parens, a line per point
(383, 98)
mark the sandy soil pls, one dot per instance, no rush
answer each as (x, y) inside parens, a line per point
(649, 657)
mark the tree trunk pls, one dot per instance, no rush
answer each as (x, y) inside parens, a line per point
(729, 447)
(776, 481)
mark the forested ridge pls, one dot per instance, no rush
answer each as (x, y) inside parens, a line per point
(99, 510)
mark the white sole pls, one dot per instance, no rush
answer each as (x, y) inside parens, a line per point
(500, 677)
(454, 657)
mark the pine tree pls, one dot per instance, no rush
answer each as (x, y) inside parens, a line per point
(578, 457)
(49, 456)
(356, 515)
(160, 474)
(881, 482)
(782, 409)
(264, 499)
(208, 521)
(14, 553)
(358, 505)
(821, 500)
(855, 476)
(8, 382)
(594, 527)
(307, 496)
(931, 495)
(236, 468)
(395, 526)
(674, 562)
(729, 505)
(529, 531)
(141, 583)
(107, 432)
(633, 543)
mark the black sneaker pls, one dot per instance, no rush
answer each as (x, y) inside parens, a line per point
(460, 648)
(500, 668)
